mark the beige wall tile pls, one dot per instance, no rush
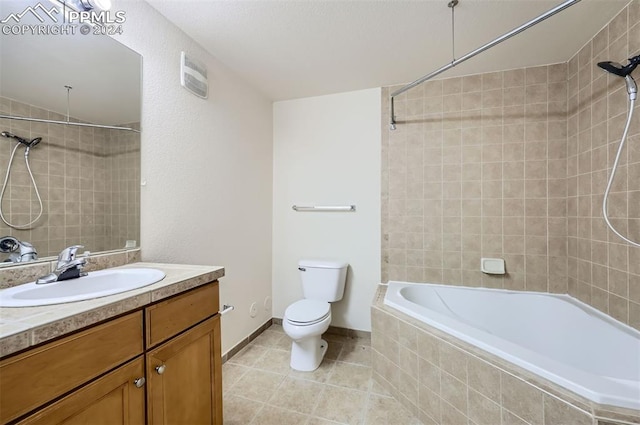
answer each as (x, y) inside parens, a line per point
(533, 143)
(557, 412)
(522, 399)
(482, 410)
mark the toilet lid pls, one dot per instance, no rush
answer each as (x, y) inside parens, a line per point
(305, 311)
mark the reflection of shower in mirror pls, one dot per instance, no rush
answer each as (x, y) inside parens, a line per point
(27, 144)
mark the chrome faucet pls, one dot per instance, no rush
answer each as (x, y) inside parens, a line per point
(68, 267)
(27, 252)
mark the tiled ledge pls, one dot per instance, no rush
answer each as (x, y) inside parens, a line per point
(24, 327)
(441, 379)
(17, 274)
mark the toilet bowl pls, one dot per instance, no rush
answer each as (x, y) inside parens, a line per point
(306, 320)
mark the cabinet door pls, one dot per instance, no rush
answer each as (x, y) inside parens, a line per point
(39, 375)
(185, 378)
(113, 399)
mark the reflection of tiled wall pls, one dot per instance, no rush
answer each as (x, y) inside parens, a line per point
(79, 172)
(603, 270)
(443, 380)
(478, 170)
(122, 157)
(513, 164)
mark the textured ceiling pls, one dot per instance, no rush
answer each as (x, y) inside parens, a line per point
(292, 49)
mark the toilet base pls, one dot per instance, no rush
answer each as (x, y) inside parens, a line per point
(307, 354)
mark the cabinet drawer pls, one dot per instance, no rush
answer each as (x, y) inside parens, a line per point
(170, 317)
(31, 379)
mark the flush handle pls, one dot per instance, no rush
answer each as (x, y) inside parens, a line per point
(302, 269)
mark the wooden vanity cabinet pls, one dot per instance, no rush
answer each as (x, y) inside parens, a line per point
(184, 372)
(113, 399)
(184, 378)
(33, 378)
(163, 369)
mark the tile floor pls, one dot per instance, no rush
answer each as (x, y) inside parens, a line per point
(259, 387)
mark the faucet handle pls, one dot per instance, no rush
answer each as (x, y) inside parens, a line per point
(69, 254)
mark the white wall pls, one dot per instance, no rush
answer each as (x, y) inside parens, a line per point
(326, 151)
(207, 165)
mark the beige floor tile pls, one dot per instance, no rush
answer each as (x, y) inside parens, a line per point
(249, 355)
(387, 411)
(351, 376)
(334, 349)
(257, 385)
(335, 337)
(231, 373)
(297, 394)
(321, 374)
(284, 343)
(238, 410)
(341, 405)
(269, 338)
(274, 360)
(271, 415)
(356, 353)
(320, 421)
(276, 328)
(260, 388)
(378, 389)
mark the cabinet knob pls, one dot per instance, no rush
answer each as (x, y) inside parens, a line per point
(160, 369)
(139, 383)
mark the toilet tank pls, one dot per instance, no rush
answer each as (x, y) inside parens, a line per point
(323, 280)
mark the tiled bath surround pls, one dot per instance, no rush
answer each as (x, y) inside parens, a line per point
(603, 270)
(513, 165)
(444, 381)
(477, 169)
(88, 179)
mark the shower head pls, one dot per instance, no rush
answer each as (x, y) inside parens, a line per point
(624, 71)
(28, 143)
(617, 69)
(13, 136)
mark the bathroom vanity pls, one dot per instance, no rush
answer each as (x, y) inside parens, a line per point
(150, 355)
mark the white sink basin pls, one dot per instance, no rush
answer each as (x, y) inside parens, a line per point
(94, 285)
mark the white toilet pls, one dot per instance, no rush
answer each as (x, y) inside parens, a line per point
(306, 320)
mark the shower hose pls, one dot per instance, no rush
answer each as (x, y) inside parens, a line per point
(613, 174)
(4, 188)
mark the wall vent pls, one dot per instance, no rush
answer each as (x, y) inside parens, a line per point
(193, 76)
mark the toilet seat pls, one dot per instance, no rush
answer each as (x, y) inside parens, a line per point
(307, 312)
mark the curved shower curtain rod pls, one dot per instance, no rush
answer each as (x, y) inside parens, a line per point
(518, 30)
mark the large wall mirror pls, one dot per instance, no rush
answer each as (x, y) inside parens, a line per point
(87, 177)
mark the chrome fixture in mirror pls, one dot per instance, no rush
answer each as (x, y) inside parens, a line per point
(19, 251)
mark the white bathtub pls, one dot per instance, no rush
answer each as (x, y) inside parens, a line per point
(554, 336)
